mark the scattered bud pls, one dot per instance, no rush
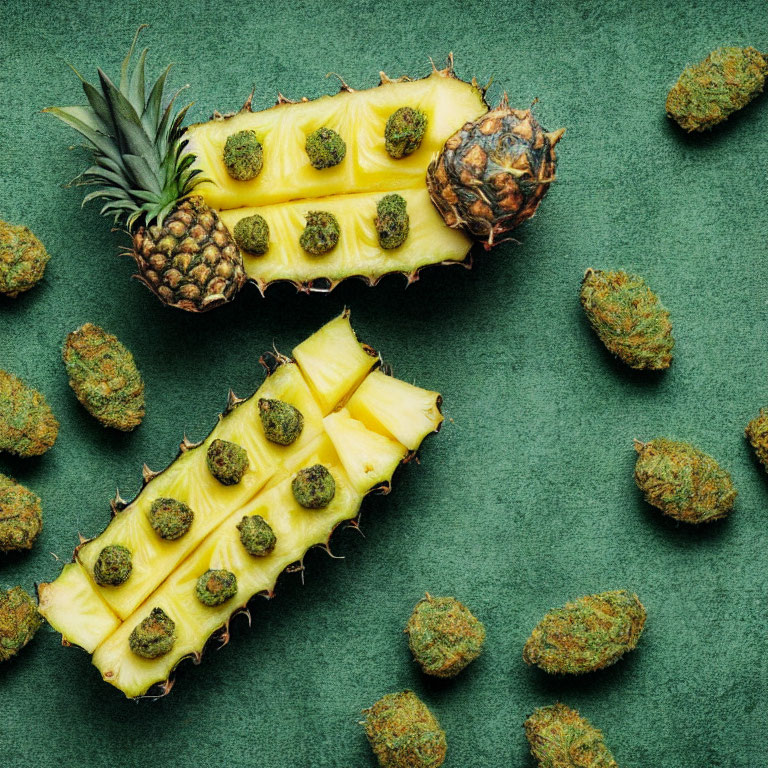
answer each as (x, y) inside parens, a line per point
(325, 148)
(22, 259)
(709, 92)
(27, 425)
(404, 131)
(169, 518)
(19, 620)
(21, 516)
(313, 487)
(403, 733)
(757, 434)
(586, 635)
(628, 318)
(321, 233)
(561, 738)
(281, 421)
(216, 587)
(391, 221)
(243, 155)
(154, 636)
(444, 636)
(227, 462)
(683, 482)
(113, 566)
(256, 535)
(252, 234)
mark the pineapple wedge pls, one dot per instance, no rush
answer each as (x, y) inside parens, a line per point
(288, 185)
(360, 455)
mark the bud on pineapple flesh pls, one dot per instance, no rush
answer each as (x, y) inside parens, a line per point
(358, 432)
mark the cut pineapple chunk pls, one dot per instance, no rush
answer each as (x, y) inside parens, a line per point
(368, 457)
(334, 362)
(359, 117)
(358, 252)
(73, 607)
(297, 529)
(396, 408)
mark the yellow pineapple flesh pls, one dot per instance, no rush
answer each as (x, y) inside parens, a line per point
(288, 185)
(360, 454)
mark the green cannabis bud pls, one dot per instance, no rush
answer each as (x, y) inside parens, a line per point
(683, 482)
(256, 535)
(561, 738)
(313, 487)
(243, 155)
(22, 259)
(104, 377)
(281, 421)
(252, 234)
(391, 221)
(709, 92)
(404, 131)
(113, 566)
(403, 733)
(227, 462)
(321, 233)
(216, 587)
(19, 620)
(154, 636)
(586, 635)
(170, 519)
(444, 636)
(325, 148)
(757, 434)
(27, 425)
(628, 318)
(21, 516)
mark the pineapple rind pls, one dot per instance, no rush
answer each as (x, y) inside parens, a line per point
(358, 253)
(297, 529)
(154, 558)
(396, 408)
(359, 117)
(73, 607)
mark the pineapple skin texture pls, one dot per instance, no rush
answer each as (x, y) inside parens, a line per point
(329, 367)
(289, 186)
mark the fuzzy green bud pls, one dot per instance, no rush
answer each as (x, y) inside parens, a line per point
(325, 148)
(113, 566)
(21, 516)
(404, 131)
(27, 425)
(561, 738)
(321, 233)
(628, 318)
(392, 222)
(227, 462)
(19, 620)
(104, 377)
(281, 421)
(683, 482)
(444, 636)
(251, 234)
(170, 519)
(757, 434)
(313, 487)
(22, 259)
(243, 155)
(216, 587)
(403, 733)
(256, 535)
(154, 636)
(707, 93)
(586, 635)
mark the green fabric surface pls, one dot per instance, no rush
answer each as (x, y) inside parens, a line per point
(526, 497)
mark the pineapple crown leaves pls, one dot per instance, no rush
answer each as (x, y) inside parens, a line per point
(140, 165)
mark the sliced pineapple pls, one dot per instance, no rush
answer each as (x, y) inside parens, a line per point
(360, 455)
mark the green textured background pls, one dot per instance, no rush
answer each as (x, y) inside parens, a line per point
(526, 497)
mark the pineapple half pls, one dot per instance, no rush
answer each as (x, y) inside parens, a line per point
(359, 423)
